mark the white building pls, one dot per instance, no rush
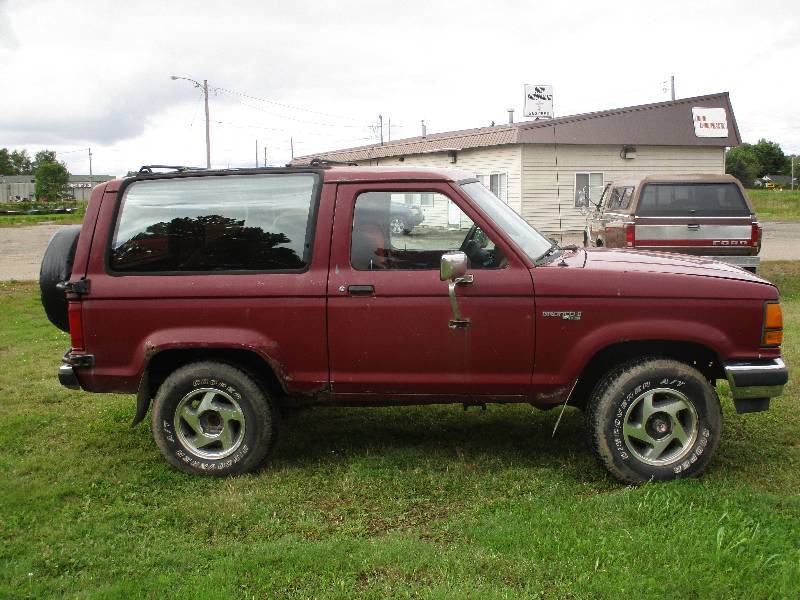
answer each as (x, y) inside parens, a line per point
(21, 188)
(545, 169)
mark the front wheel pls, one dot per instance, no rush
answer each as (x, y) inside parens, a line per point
(398, 225)
(654, 419)
(211, 418)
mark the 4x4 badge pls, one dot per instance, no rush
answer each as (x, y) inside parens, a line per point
(567, 315)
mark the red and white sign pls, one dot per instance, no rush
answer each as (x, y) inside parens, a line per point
(710, 122)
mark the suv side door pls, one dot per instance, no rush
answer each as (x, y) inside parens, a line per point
(388, 320)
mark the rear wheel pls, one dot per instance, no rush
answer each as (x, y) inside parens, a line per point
(211, 418)
(654, 419)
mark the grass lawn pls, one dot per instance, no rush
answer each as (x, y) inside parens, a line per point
(425, 501)
(58, 219)
(776, 205)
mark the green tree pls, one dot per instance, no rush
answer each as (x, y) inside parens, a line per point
(771, 158)
(52, 181)
(742, 163)
(6, 168)
(43, 156)
(21, 163)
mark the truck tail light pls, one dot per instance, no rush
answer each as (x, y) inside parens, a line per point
(772, 331)
(630, 235)
(75, 315)
(755, 235)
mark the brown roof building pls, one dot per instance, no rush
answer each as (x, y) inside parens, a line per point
(545, 169)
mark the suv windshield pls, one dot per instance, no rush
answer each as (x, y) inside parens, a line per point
(530, 241)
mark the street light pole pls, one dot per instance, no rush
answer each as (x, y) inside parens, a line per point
(208, 127)
(204, 87)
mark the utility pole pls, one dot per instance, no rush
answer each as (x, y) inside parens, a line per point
(90, 168)
(390, 129)
(204, 87)
(672, 85)
(791, 158)
(208, 126)
(256, 154)
(291, 145)
(380, 123)
(265, 157)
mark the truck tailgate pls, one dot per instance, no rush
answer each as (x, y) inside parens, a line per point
(698, 235)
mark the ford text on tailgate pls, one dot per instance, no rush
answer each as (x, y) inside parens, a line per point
(217, 297)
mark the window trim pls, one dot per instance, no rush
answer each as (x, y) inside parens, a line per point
(311, 230)
(575, 186)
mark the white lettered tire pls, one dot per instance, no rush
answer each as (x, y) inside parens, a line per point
(211, 418)
(654, 419)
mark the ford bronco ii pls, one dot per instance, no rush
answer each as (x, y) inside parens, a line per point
(219, 296)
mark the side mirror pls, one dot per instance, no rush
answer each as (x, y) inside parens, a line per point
(453, 270)
(453, 266)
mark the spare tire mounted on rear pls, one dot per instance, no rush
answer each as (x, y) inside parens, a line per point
(57, 268)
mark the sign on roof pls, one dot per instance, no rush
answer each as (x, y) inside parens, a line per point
(710, 122)
(538, 101)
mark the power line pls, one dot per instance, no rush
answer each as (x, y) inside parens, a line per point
(290, 106)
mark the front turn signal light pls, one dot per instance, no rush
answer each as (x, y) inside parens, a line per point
(772, 332)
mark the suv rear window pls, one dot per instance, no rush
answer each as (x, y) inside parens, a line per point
(692, 199)
(224, 223)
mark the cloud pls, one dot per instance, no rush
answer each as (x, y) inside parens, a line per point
(8, 39)
(97, 72)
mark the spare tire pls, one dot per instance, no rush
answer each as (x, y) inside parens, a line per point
(56, 268)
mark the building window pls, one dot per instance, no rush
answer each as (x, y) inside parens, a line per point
(588, 186)
(497, 183)
(419, 199)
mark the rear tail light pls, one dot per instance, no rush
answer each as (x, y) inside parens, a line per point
(772, 331)
(75, 315)
(630, 235)
(755, 235)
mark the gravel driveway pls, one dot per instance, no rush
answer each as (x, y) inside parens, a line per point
(21, 248)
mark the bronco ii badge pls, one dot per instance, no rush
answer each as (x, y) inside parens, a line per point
(567, 315)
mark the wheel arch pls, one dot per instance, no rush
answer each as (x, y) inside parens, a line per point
(699, 356)
(267, 373)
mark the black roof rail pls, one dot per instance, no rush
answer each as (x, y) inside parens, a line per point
(148, 169)
(324, 162)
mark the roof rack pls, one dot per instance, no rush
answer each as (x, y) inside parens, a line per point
(148, 169)
(324, 162)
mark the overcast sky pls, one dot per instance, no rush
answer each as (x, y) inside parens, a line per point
(78, 74)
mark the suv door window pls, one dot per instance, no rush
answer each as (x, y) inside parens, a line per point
(377, 245)
(230, 223)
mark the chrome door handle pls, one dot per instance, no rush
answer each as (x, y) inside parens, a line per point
(694, 226)
(361, 290)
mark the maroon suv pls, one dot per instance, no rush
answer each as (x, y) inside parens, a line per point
(220, 296)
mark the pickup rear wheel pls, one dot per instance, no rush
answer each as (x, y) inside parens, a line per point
(210, 418)
(654, 419)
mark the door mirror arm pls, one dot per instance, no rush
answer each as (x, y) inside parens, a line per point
(453, 269)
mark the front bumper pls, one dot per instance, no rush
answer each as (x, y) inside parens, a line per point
(753, 383)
